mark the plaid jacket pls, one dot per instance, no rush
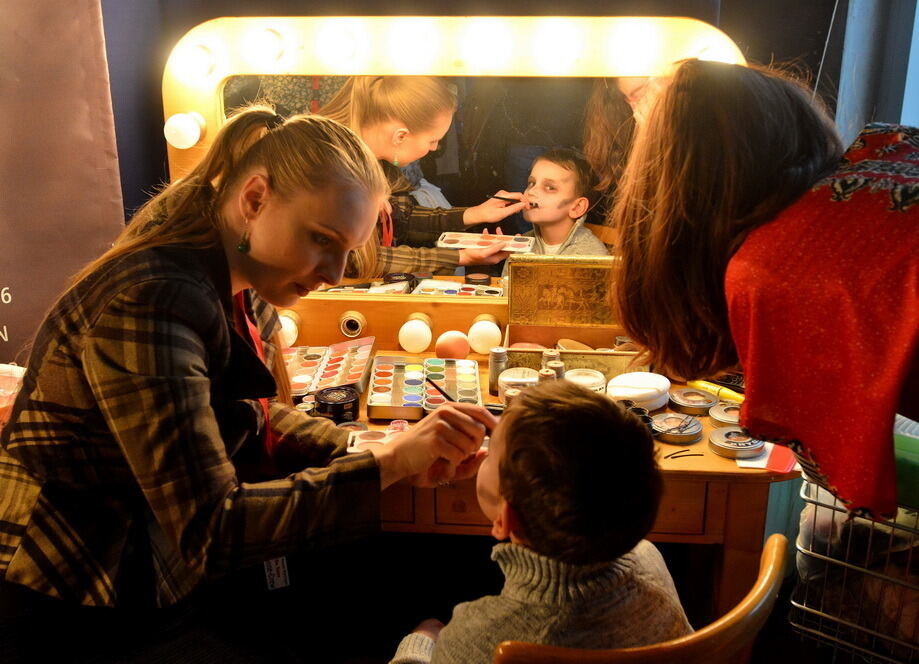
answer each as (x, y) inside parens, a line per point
(116, 480)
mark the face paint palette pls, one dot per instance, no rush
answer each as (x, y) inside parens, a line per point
(511, 243)
(398, 389)
(440, 287)
(314, 368)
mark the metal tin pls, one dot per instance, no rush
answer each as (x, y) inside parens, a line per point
(675, 428)
(692, 401)
(339, 404)
(589, 378)
(726, 412)
(497, 364)
(478, 279)
(546, 374)
(549, 355)
(734, 443)
(558, 366)
(510, 394)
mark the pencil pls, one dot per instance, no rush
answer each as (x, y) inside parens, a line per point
(506, 198)
(440, 389)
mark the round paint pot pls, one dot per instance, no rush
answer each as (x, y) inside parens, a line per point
(478, 279)
(640, 388)
(726, 412)
(306, 407)
(590, 378)
(675, 428)
(518, 377)
(692, 401)
(339, 404)
(734, 443)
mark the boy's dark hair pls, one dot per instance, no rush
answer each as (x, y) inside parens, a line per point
(576, 163)
(580, 472)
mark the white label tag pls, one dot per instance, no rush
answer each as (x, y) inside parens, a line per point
(276, 573)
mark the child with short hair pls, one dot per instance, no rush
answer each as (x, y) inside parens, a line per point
(571, 479)
(558, 195)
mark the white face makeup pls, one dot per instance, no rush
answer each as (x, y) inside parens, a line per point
(550, 193)
(299, 243)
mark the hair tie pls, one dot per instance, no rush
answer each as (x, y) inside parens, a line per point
(274, 121)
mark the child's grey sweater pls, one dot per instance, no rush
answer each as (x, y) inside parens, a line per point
(630, 601)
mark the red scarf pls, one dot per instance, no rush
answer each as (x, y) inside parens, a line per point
(250, 333)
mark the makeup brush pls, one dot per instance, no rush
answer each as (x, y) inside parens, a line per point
(437, 387)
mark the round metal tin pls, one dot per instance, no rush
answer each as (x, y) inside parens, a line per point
(676, 428)
(734, 443)
(692, 401)
(726, 412)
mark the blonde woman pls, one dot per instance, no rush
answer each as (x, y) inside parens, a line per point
(123, 481)
(403, 118)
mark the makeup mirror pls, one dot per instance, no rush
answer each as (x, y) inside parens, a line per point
(522, 83)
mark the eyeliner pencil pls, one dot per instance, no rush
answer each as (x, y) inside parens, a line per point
(506, 198)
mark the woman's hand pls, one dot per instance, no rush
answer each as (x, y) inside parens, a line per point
(494, 209)
(486, 255)
(444, 444)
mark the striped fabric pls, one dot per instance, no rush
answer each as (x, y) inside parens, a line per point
(116, 479)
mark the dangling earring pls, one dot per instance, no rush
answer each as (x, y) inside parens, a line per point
(395, 159)
(244, 246)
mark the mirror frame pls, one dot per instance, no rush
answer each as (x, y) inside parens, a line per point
(538, 46)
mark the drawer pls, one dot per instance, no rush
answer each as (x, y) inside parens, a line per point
(456, 504)
(397, 504)
(682, 508)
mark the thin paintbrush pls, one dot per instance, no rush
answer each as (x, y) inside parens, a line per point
(437, 387)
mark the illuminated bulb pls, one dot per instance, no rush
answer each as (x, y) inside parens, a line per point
(184, 130)
(453, 344)
(415, 334)
(486, 44)
(264, 47)
(290, 327)
(484, 334)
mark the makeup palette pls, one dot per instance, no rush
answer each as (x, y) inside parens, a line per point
(511, 243)
(398, 387)
(398, 287)
(441, 287)
(727, 413)
(314, 368)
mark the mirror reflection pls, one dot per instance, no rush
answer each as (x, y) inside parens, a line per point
(450, 145)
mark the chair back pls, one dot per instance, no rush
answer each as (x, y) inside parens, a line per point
(715, 643)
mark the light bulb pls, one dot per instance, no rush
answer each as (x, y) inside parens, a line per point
(184, 130)
(484, 334)
(415, 334)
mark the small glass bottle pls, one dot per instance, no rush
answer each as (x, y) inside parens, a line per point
(497, 362)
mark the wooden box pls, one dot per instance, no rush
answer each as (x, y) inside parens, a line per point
(556, 297)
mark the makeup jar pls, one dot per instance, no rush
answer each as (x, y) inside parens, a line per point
(643, 388)
(589, 378)
(339, 404)
(675, 428)
(726, 413)
(734, 443)
(692, 401)
(519, 377)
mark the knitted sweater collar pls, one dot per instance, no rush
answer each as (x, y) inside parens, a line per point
(534, 578)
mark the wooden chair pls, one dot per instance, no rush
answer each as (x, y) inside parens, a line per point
(718, 642)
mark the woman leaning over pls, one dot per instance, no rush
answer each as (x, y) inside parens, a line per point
(403, 118)
(148, 405)
(748, 235)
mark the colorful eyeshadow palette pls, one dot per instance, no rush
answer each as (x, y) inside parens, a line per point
(398, 287)
(440, 287)
(314, 368)
(398, 389)
(512, 243)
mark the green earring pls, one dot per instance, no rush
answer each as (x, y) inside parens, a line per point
(244, 246)
(395, 159)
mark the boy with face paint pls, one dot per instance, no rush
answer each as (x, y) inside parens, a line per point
(557, 200)
(571, 480)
